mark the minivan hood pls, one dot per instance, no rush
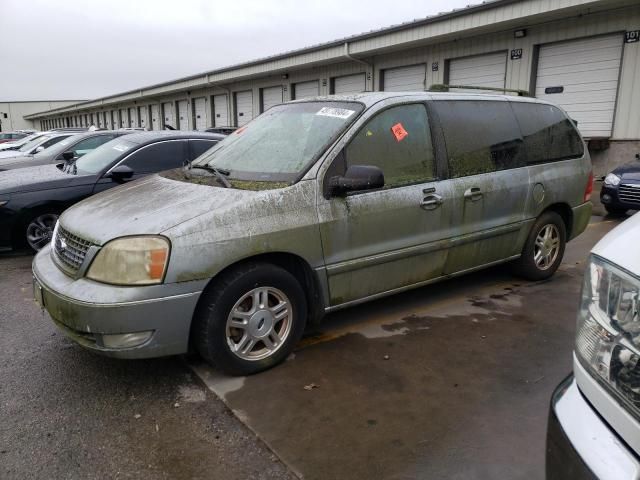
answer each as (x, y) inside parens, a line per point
(147, 206)
(44, 177)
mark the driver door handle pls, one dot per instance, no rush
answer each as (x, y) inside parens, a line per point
(474, 194)
(431, 201)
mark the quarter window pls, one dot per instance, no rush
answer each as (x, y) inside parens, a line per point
(480, 136)
(548, 134)
(398, 141)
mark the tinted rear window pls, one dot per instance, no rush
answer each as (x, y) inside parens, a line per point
(548, 134)
(480, 136)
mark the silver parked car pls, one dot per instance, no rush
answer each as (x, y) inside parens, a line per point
(594, 421)
(314, 206)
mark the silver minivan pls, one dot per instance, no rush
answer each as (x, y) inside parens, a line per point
(314, 206)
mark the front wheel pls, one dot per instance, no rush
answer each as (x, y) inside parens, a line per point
(39, 230)
(250, 319)
(544, 248)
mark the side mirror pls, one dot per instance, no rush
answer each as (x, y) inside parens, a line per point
(357, 177)
(68, 156)
(39, 149)
(121, 173)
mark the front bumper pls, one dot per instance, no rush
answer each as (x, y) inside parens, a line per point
(86, 310)
(580, 444)
(609, 196)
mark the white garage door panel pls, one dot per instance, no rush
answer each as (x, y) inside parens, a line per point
(200, 112)
(167, 108)
(155, 117)
(183, 118)
(405, 79)
(220, 111)
(244, 107)
(480, 71)
(133, 117)
(306, 89)
(271, 96)
(143, 113)
(588, 70)
(349, 84)
(123, 118)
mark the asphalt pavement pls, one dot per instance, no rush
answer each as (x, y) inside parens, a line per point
(69, 414)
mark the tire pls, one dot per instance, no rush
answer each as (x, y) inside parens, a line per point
(222, 339)
(526, 266)
(39, 229)
(617, 211)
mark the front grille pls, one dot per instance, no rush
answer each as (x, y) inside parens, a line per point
(70, 249)
(629, 193)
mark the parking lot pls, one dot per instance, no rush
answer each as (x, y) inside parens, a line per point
(447, 381)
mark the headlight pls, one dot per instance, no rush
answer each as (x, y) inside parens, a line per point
(131, 261)
(612, 179)
(608, 333)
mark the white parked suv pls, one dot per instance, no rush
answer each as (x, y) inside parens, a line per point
(594, 421)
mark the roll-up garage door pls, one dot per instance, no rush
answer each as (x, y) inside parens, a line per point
(582, 77)
(480, 71)
(114, 119)
(349, 84)
(220, 111)
(183, 118)
(405, 79)
(271, 96)
(167, 111)
(124, 118)
(200, 113)
(133, 117)
(155, 118)
(244, 107)
(306, 89)
(143, 114)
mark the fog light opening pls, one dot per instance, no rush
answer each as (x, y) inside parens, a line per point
(126, 340)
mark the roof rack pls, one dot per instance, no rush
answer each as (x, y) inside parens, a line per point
(440, 87)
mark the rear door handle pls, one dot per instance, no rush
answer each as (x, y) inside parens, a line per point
(431, 201)
(474, 194)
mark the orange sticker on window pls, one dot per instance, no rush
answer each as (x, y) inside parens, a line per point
(399, 132)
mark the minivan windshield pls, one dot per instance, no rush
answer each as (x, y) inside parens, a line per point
(282, 142)
(34, 143)
(97, 160)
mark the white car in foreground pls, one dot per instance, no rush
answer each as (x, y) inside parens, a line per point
(594, 421)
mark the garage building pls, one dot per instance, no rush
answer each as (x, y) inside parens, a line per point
(583, 55)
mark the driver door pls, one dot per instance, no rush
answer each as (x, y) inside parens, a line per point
(148, 159)
(383, 240)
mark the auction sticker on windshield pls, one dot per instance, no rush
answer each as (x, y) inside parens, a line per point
(335, 112)
(121, 148)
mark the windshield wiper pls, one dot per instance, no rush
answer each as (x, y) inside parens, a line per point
(220, 174)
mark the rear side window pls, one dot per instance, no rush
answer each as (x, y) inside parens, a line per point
(158, 157)
(398, 141)
(198, 147)
(548, 134)
(480, 136)
(88, 144)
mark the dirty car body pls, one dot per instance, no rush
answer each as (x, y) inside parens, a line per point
(343, 199)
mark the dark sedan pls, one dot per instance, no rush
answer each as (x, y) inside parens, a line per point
(31, 199)
(621, 189)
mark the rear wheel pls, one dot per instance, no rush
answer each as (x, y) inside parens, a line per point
(250, 319)
(544, 248)
(39, 230)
